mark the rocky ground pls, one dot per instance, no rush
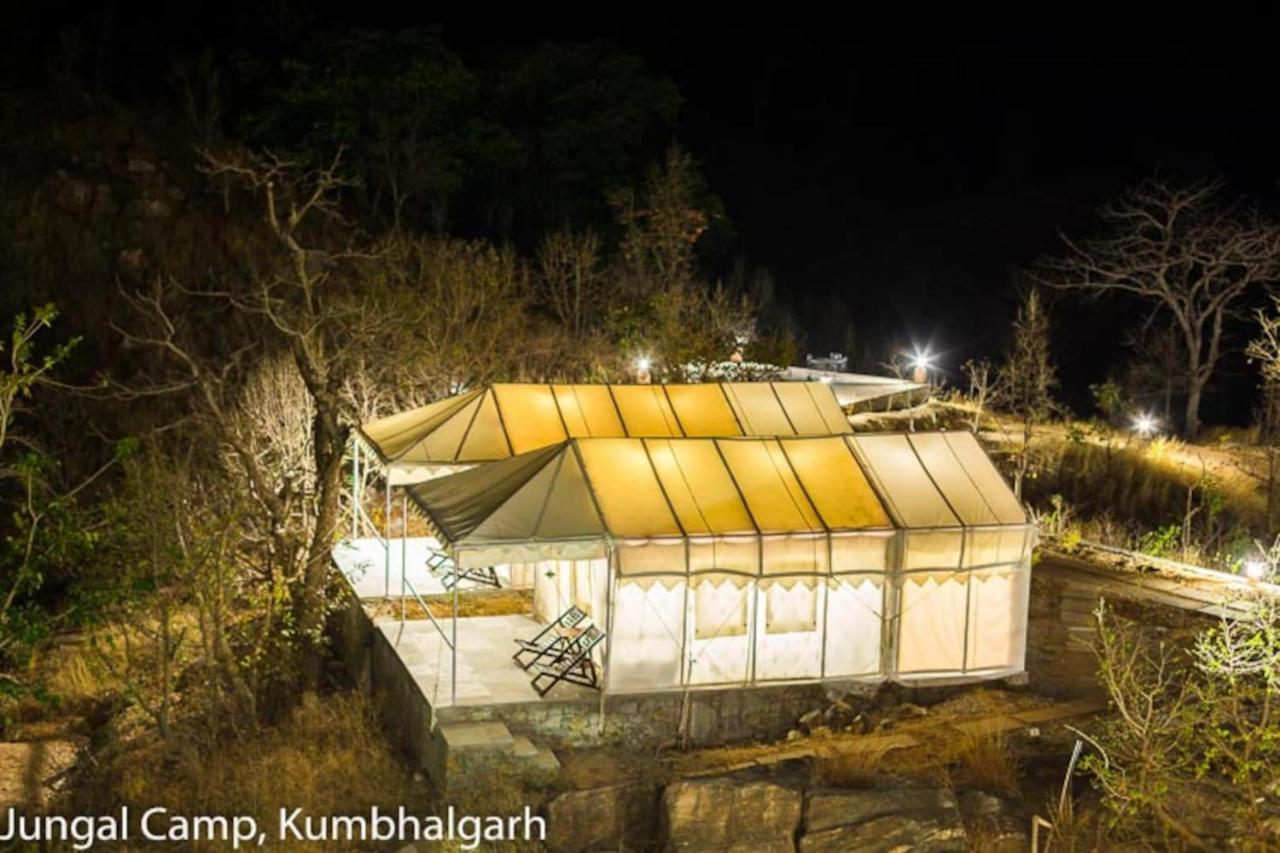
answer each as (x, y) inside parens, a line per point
(965, 773)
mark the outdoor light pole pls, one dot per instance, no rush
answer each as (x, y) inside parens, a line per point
(920, 372)
(643, 366)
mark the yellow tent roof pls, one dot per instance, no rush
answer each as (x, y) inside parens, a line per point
(582, 496)
(504, 420)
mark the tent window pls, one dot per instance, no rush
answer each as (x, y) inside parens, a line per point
(720, 610)
(790, 611)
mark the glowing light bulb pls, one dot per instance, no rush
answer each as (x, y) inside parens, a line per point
(1144, 424)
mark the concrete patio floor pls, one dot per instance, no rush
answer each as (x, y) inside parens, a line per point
(365, 565)
(486, 673)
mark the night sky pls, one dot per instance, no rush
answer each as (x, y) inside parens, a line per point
(902, 178)
(913, 181)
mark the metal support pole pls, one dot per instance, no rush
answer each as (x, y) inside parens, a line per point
(891, 606)
(825, 585)
(404, 540)
(386, 534)
(611, 593)
(453, 670)
(402, 571)
(355, 489)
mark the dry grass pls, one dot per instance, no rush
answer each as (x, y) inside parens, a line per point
(985, 763)
(1075, 828)
(839, 766)
(498, 602)
(328, 758)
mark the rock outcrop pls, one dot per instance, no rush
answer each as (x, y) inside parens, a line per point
(731, 814)
(608, 818)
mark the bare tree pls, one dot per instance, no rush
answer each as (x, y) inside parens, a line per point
(1182, 249)
(478, 327)
(1028, 376)
(569, 277)
(301, 290)
(983, 378)
(1265, 350)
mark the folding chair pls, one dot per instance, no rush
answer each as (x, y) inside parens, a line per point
(551, 640)
(574, 665)
(450, 575)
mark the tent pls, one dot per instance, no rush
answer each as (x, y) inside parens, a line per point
(862, 391)
(739, 560)
(504, 420)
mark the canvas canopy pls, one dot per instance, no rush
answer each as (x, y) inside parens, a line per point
(858, 389)
(752, 506)
(505, 420)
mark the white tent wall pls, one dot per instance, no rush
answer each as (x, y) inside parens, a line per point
(998, 601)
(791, 622)
(648, 633)
(854, 607)
(561, 584)
(721, 616)
(931, 618)
(962, 623)
(812, 625)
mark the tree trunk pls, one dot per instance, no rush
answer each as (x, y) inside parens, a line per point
(1024, 459)
(330, 443)
(1191, 424)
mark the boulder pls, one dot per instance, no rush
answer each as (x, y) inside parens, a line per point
(726, 813)
(603, 818)
(839, 807)
(890, 833)
(839, 714)
(810, 720)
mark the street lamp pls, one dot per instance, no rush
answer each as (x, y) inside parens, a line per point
(920, 364)
(643, 365)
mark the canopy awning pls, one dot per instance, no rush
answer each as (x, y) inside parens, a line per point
(852, 389)
(506, 420)
(784, 505)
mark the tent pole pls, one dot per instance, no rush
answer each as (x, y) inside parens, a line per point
(968, 593)
(826, 607)
(355, 489)
(404, 540)
(386, 533)
(402, 557)
(453, 648)
(685, 665)
(608, 633)
(754, 614)
(891, 621)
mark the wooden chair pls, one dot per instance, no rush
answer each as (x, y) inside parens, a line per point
(574, 664)
(552, 639)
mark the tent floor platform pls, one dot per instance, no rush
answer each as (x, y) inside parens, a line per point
(363, 562)
(487, 676)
